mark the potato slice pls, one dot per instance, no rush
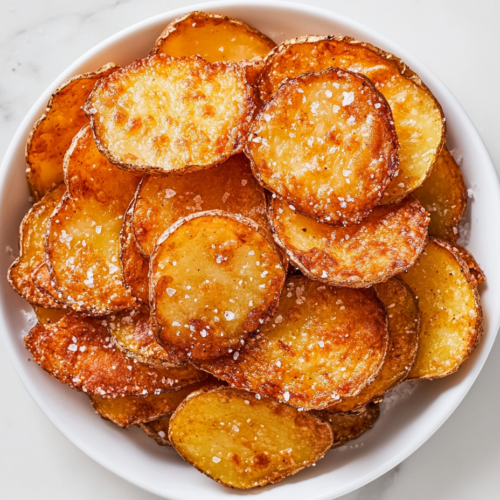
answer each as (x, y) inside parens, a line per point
(158, 430)
(78, 352)
(451, 314)
(323, 344)
(213, 37)
(161, 201)
(242, 441)
(215, 278)
(53, 132)
(387, 242)
(444, 196)
(135, 266)
(31, 250)
(48, 316)
(404, 324)
(469, 259)
(326, 143)
(349, 426)
(82, 241)
(190, 116)
(418, 117)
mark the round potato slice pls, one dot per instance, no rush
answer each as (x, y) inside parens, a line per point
(326, 143)
(444, 196)
(213, 37)
(418, 117)
(242, 441)
(161, 201)
(323, 344)
(451, 314)
(215, 278)
(404, 324)
(387, 242)
(191, 114)
(31, 250)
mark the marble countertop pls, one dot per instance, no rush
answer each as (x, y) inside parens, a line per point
(457, 39)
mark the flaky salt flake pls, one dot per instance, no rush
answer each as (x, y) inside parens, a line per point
(378, 105)
(470, 193)
(98, 229)
(328, 93)
(244, 182)
(72, 347)
(267, 117)
(113, 269)
(161, 434)
(321, 343)
(279, 319)
(236, 355)
(348, 98)
(170, 193)
(229, 315)
(286, 396)
(291, 207)
(216, 460)
(171, 291)
(324, 274)
(203, 333)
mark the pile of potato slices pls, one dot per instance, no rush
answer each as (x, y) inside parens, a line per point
(241, 247)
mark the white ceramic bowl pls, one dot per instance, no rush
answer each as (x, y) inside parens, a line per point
(407, 421)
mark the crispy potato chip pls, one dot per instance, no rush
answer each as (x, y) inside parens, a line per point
(135, 266)
(190, 116)
(158, 430)
(242, 441)
(213, 37)
(469, 259)
(323, 344)
(31, 250)
(349, 426)
(444, 196)
(387, 242)
(404, 324)
(82, 240)
(215, 278)
(48, 316)
(53, 132)
(326, 143)
(161, 201)
(451, 314)
(77, 351)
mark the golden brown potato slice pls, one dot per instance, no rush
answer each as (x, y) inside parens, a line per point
(135, 266)
(451, 314)
(469, 259)
(79, 352)
(31, 249)
(213, 37)
(323, 344)
(48, 316)
(53, 132)
(215, 278)
(161, 201)
(326, 143)
(158, 430)
(242, 441)
(444, 196)
(349, 426)
(418, 117)
(404, 324)
(190, 115)
(387, 242)
(82, 243)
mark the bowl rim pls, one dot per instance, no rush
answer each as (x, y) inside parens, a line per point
(427, 75)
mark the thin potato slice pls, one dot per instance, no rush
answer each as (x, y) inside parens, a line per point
(82, 241)
(53, 132)
(444, 196)
(78, 352)
(243, 442)
(161, 201)
(48, 316)
(404, 324)
(469, 259)
(387, 242)
(451, 314)
(215, 278)
(326, 143)
(158, 430)
(191, 114)
(213, 37)
(31, 250)
(323, 344)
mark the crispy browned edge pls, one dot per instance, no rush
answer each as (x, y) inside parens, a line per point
(476, 338)
(264, 482)
(90, 74)
(41, 274)
(172, 26)
(402, 67)
(469, 259)
(133, 205)
(393, 162)
(152, 434)
(153, 169)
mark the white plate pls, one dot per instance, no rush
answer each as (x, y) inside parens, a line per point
(406, 422)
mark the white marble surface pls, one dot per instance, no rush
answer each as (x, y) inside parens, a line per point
(458, 39)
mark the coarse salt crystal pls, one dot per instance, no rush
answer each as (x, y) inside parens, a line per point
(229, 315)
(171, 291)
(279, 319)
(244, 182)
(98, 229)
(161, 434)
(170, 193)
(348, 98)
(328, 93)
(72, 347)
(236, 355)
(286, 396)
(216, 460)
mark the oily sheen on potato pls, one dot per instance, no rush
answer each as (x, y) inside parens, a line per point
(190, 115)
(214, 279)
(323, 344)
(243, 441)
(327, 144)
(417, 115)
